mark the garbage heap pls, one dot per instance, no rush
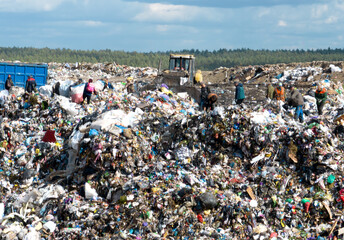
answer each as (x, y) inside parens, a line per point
(151, 166)
(98, 70)
(299, 73)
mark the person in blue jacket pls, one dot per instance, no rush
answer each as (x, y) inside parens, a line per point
(239, 93)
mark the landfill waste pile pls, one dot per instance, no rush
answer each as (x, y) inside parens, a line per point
(255, 78)
(291, 72)
(150, 165)
(98, 70)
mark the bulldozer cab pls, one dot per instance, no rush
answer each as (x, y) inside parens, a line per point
(183, 63)
(179, 77)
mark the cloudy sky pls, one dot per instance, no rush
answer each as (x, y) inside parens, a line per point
(154, 25)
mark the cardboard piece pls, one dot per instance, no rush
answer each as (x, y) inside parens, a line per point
(250, 192)
(328, 210)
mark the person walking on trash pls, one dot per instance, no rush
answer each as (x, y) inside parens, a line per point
(107, 84)
(9, 83)
(321, 97)
(204, 96)
(270, 91)
(130, 85)
(30, 85)
(198, 77)
(211, 100)
(296, 100)
(88, 91)
(239, 93)
(279, 93)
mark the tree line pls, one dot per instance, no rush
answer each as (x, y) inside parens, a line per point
(205, 60)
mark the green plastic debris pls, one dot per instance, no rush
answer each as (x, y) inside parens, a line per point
(331, 179)
(123, 199)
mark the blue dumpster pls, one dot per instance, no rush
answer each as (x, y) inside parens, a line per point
(21, 71)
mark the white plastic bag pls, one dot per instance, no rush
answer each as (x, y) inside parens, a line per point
(119, 117)
(90, 193)
(32, 235)
(17, 91)
(76, 92)
(74, 142)
(219, 111)
(64, 88)
(99, 85)
(3, 97)
(51, 226)
(335, 68)
(2, 210)
(46, 90)
(69, 107)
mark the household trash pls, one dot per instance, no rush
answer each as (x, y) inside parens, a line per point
(148, 165)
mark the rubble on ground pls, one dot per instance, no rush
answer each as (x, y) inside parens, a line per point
(299, 73)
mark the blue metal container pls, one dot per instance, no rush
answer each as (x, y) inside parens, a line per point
(20, 73)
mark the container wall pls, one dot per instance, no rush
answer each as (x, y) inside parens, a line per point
(20, 73)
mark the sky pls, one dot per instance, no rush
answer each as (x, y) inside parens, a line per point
(154, 25)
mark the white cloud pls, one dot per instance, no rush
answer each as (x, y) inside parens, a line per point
(318, 11)
(29, 5)
(166, 13)
(282, 23)
(264, 12)
(162, 28)
(339, 4)
(158, 12)
(79, 23)
(331, 19)
(176, 29)
(189, 42)
(90, 23)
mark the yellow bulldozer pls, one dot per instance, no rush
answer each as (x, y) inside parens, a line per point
(180, 76)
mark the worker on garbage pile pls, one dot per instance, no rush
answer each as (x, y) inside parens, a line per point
(321, 97)
(6, 133)
(107, 84)
(56, 89)
(296, 100)
(88, 91)
(9, 83)
(339, 129)
(198, 77)
(130, 85)
(239, 93)
(204, 96)
(79, 82)
(30, 85)
(279, 93)
(270, 91)
(211, 100)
